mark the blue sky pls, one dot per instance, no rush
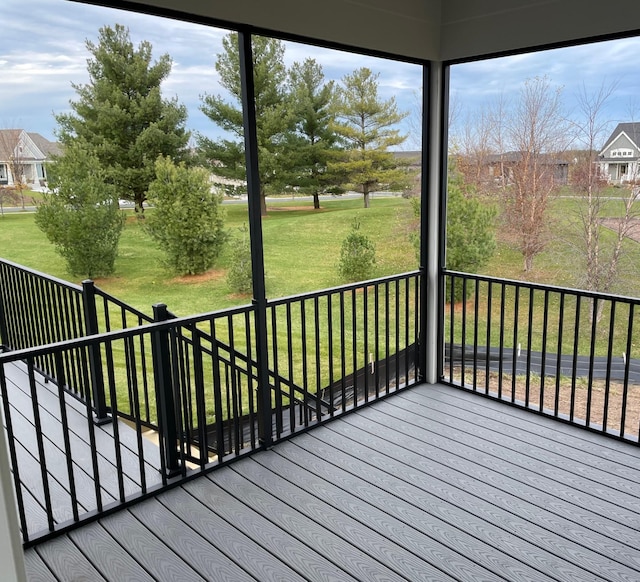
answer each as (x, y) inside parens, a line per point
(42, 51)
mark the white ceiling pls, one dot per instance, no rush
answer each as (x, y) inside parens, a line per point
(423, 29)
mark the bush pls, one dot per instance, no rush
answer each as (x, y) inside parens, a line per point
(81, 216)
(470, 231)
(357, 255)
(188, 219)
(239, 276)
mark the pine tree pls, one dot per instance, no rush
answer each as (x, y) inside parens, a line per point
(367, 126)
(120, 115)
(273, 119)
(313, 143)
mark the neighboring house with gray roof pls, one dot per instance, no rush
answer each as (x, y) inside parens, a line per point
(26, 153)
(502, 167)
(619, 160)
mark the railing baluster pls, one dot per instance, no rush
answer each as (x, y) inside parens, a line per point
(463, 332)
(556, 400)
(543, 364)
(276, 382)
(318, 383)
(487, 380)
(514, 360)
(627, 367)
(330, 351)
(592, 353)
(476, 309)
(576, 349)
(607, 382)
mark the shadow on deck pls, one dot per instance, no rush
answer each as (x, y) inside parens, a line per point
(433, 483)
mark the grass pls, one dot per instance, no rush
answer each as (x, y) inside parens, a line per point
(301, 249)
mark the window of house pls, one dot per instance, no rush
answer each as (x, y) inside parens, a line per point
(3, 173)
(621, 153)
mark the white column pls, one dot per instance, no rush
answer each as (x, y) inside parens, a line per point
(436, 151)
(11, 553)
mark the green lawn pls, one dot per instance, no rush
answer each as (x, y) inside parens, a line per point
(301, 249)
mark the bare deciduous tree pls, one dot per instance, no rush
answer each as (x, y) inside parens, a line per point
(537, 131)
(7, 196)
(11, 145)
(600, 254)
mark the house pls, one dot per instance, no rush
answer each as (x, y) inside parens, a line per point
(619, 160)
(471, 471)
(25, 153)
(503, 167)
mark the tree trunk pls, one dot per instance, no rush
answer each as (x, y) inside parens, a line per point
(263, 204)
(528, 263)
(316, 201)
(367, 204)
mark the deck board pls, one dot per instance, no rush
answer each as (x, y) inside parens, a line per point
(430, 484)
(23, 421)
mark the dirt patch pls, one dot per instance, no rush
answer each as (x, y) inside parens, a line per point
(288, 208)
(213, 275)
(610, 403)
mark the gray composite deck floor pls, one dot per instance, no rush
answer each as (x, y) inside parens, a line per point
(29, 460)
(430, 484)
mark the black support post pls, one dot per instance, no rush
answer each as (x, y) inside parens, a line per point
(165, 397)
(265, 433)
(94, 353)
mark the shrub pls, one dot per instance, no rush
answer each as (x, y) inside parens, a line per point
(357, 255)
(81, 216)
(239, 276)
(470, 231)
(188, 219)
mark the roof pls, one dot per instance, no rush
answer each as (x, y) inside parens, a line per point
(439, 30)
(631, 129)
(9, 139)
(48, 148)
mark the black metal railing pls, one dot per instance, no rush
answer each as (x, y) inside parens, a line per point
(565, 353)
(337, 349)
(37, 309)
(181, 394)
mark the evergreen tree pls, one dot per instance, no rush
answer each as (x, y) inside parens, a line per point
(366, 125)
(120, 115)
(273, 119)
(188, 219)
(313, 144)
(470, 227)
(357, 255)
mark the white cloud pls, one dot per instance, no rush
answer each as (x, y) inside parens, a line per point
(42, 52)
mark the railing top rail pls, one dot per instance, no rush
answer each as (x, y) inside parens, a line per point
(123, 305)
(544, 287)
(34, 273)
(105, 337)
(341, 288)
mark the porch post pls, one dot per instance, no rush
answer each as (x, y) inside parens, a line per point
(11, 553)
(432, 245)
(95, 355)
(255, 230)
